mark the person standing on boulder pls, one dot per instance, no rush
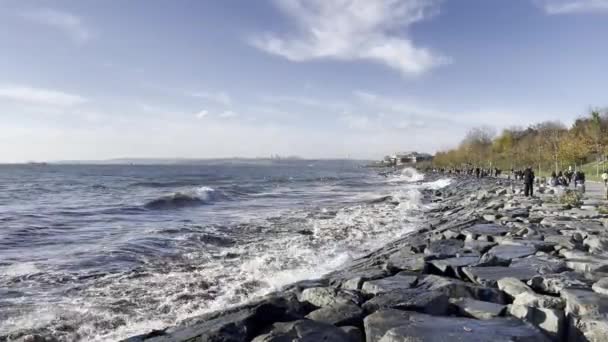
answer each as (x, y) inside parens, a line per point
(529, 182)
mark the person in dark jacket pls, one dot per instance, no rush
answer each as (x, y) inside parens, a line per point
(529, 182)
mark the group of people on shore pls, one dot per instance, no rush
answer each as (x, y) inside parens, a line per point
(560, 179)
(472, 171)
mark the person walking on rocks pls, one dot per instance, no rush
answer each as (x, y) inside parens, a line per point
(529, 182)
(605, 179)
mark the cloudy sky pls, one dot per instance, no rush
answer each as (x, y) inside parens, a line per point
(316, 78)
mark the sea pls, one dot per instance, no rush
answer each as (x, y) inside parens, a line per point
(104, 252)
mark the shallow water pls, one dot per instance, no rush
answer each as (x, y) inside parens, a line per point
(106, 252)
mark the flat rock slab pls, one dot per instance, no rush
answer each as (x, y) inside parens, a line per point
(478, 309)
(451, 266)
(543, 265)
(505, 253)
(397, 282)
(431, 302)
(338, 314)
(472, 233)
(479, 246)
(585, 302)
(303, 331)
(513, 286)
(488, 276)
(420, 327)
(585, 262)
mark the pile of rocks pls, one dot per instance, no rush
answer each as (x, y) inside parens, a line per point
(490, 265)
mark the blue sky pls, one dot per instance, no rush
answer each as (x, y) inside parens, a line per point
(316, 78)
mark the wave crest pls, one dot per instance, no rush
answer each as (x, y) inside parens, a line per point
(200, 196)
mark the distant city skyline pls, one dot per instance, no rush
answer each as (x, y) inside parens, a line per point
(82, 80)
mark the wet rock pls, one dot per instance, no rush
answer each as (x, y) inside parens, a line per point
(442, 249)
(477, 309)
(550, 321)
(601, 286)
(304, 331)
(487, 276)
(513, 286)
(327, 296)
(399, 281)
(584, 302)
(386, 326)
(338, 314)
(238, 324)
(455, 288)
(401, 261)
(433, 302)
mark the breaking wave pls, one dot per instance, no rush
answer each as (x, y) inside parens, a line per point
(200, 196)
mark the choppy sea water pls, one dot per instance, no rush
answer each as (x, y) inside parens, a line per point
(98, 253)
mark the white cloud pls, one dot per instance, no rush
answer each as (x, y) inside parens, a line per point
(219, 97)
(572, 6)
(38, 96)
(201, 114)
(70, 24)
(355, 30)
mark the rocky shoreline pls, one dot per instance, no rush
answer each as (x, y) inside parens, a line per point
(488, 265)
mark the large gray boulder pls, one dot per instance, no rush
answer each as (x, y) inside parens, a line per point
(555, 283)
(405, 261)
(488, 276)
(327, 296)
(239, 324)
(477, 309)
(542, 264)
(551, 321)
(503, 254)
(455, 288)
(442, 249)
(338, 314)
(303, 331)
(391, 326)
(396, 282)
(513, 286)
(431, 302)
(587, 329)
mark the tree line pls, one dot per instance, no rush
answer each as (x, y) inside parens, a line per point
(546, 146)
